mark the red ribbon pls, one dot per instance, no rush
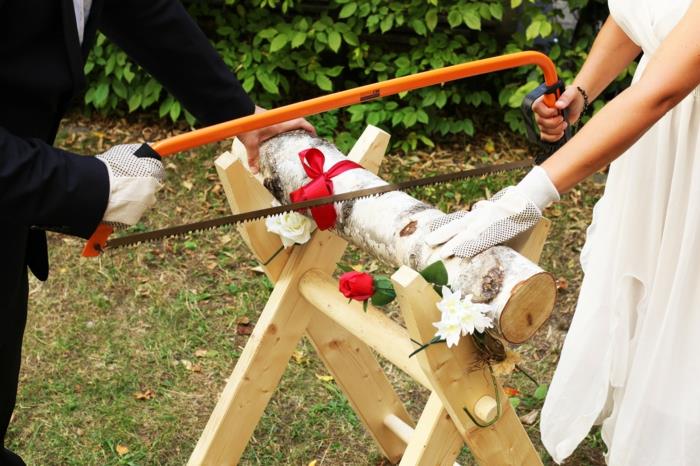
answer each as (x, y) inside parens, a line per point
(321, 185)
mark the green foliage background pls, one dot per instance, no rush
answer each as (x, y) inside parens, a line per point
(288, 50)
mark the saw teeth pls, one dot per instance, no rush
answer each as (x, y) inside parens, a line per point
(231, 219)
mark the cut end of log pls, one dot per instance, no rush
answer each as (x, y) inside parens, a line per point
(530, 305)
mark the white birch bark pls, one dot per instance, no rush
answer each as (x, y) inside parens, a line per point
(392, 227)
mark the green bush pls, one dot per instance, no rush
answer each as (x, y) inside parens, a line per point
(286, 50)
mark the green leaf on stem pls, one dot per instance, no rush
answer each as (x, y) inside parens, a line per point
(435, 273)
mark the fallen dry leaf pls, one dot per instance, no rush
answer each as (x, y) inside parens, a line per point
(200, 353)
(243, 326)
(530, 418)
(186, 364)
(312, 463)
(324, 378)
(121, 449)
(145, 395)
(299, 356)
(562, 283)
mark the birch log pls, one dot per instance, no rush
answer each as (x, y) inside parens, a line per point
(392, 227)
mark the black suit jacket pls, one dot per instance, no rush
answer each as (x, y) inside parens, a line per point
(41, 70)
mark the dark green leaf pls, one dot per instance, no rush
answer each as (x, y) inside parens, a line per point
(165, 107)
(298, 39)
(344, 267)
(533, 30)
(472, 19)
(454, 18)
(278, 42)
(101, 94)
(386, 23)
(347, 10)
(334, 40)
(135, 101)
(248, 83)
(383, 296)
(435, 273)
(431, 19)
(128, 74)
(419, 27)
(468, 127)
(175, 111)
(541, 392)
(323, 82)
(267, 83)
(496, 10)
(119, 89)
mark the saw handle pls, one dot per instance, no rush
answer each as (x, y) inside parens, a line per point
(358, 95)
(98, 241)
(548, 148)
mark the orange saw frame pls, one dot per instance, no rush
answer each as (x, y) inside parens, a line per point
(218, 132)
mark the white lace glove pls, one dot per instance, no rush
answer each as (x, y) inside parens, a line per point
(508, 213)
(135, 175)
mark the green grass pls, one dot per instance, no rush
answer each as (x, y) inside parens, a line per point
(159, 321)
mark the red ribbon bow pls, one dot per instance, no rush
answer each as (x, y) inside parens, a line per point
(321, 185)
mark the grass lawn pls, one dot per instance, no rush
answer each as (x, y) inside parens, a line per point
(125, 355)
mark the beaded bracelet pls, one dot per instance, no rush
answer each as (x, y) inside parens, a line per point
(585, 99)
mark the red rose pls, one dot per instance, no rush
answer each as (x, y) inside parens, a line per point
(356, 285)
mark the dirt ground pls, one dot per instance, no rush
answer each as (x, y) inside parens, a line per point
(125, 355)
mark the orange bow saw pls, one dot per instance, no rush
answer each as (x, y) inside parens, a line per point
(98, 240)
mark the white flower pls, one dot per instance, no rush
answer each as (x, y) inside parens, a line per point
(474, 316)
(292, 228)
(451, 304)
(460, 316)
(449, 330)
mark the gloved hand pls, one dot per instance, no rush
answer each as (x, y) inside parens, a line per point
(135, 175)
(508, 213)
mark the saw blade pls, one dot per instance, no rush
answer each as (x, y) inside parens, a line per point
(180, 230)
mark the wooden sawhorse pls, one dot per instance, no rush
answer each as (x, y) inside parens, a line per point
(306, 299)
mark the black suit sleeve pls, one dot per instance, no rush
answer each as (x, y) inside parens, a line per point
(162, 37)
(50, 188)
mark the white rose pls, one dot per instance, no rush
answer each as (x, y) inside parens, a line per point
(292, 227)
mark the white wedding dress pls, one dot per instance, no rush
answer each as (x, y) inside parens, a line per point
(629, 360)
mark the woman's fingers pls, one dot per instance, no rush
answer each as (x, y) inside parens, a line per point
(566, 98)
(551, 137)
(541, 109)
(298, 123)
(549, 120)
(550, 123)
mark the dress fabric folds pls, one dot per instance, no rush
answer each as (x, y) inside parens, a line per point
(629, 360)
